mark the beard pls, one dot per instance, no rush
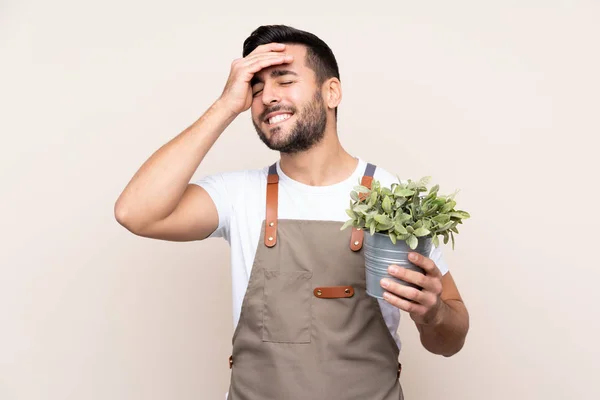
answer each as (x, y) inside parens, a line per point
(308, 130)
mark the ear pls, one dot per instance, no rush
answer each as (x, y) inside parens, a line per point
(333, 92)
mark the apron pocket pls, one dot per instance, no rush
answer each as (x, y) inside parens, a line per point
(286, 307)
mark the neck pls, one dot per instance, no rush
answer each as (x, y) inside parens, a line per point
(324, 164)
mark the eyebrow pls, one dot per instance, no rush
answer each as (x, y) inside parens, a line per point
(274, 74)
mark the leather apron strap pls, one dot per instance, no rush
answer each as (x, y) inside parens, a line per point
(272, 205)
(356, 240)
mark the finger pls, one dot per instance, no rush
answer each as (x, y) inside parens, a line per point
(403, 304)
(253, 57)
(404, 291)
(424, 262)
(266, 62)
(274, 46)
(415, 277)
(267, 56)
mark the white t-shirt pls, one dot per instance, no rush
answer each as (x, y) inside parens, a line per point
(240, 199)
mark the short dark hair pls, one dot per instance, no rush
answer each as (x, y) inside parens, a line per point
(319, 56)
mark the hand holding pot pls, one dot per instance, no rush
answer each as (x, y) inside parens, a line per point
(422, 305)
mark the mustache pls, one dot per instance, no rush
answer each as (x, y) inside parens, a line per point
(276, 108)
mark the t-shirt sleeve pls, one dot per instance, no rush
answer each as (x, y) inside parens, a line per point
(437, 255)
(218, 187)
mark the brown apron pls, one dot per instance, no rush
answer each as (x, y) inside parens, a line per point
(307, 328)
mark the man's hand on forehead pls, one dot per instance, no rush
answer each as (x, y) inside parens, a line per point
(237, 94)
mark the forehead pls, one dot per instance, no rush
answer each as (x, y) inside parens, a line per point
(298, 65)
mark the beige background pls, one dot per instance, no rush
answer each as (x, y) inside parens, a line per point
(499, 99)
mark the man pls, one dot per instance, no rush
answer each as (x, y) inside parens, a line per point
(304, 326)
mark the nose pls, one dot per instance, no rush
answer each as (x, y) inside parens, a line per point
(270, 95)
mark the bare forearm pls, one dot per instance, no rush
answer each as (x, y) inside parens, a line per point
(447, 335)
(156, 188)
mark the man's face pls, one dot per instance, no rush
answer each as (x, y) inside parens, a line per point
(288, 111)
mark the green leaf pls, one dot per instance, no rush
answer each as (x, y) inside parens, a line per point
(439, 202)
(435, 241)
(347, 224)
(433, 209)
(405, 217)
(384, 219)
(452, 236)
(446, 226)
(354, 195)
(442, 218)
(400, 201)
(400, 229)
(361, 208)
(384, 227)
(448, 206)
(393, 237)
(361, 189)
(421, 232)
(451, 197)
(410, 229)
(404, 192)
(375, 185)
(403, 237)
(351, 214)
(418, 224)
(424, 180)
(386, 192)
(372, 227)
(412, 242)
(387, 204)
(434, 189)
(446, 237)
(460, 214)
(372, 199)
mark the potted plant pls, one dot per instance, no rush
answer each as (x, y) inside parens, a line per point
(397, 220)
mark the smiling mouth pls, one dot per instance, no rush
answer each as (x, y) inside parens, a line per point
(278, 119)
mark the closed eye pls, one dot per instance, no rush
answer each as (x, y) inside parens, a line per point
(286, 83)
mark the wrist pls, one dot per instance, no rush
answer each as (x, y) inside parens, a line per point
(221, 106)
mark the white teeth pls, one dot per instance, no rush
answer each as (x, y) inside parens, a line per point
(279, 118)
